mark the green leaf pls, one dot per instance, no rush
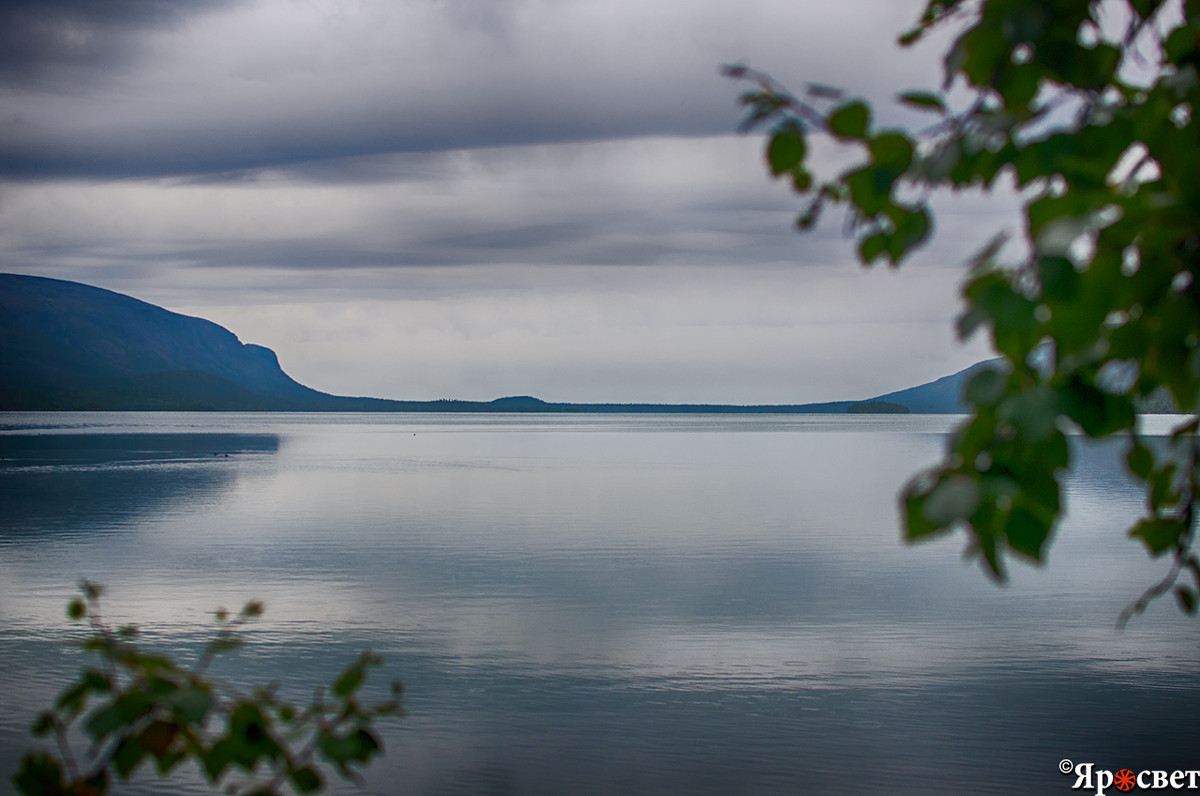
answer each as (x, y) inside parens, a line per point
(192, 704)
(39, 775)
(954, 498)
(1060, 281)
(1054, 453)
(157, 736)
(76, 609)
(870, 189)
(1034, 413)
(306, 779)
(969, 322)
(1096, 412)
(73, 699)
(871, 247)
(368, 744)
(43, 725)
(128, 755)
(162, 687)
(1140, 460)
(986, 543)
(785, 150)
(1182, 42)
(217, 758)
(893, 150)
(1163, 493)
(850, 120)
(808, 219)
(1027, 532)
(1187, 600)
(249, 738)
(351, 679)
(121, 712)
(1019, 86)
(923, 100)
(979, 53)
(1011, 314)
(168, 761)
(1159, 535)
(357, 746)
(916, 525)
(152, 663)
(1193, 564)
(97, 783)
(338, 749)
(986, 387)
(1082, 291)
(912, 229)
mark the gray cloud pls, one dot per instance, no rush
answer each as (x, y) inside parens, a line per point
(652, 202)
(264, 83)
(47, 43)
(470, 199)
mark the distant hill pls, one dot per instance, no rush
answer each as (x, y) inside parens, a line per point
(943, 396)
(65, 345)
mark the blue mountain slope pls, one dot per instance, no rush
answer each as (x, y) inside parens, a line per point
(65, 345)
(73, 346)
(943, 396)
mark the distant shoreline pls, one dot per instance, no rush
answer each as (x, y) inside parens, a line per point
(68, 346)
(518, 406)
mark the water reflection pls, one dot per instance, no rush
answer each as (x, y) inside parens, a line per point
(617, 605)
(85, 483)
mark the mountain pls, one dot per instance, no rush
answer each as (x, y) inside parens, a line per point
(65, 345)
(942, 396)
(945, 395)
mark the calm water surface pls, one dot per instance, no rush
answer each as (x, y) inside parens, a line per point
(604, 604)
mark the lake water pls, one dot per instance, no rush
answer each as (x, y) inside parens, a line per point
(604, 604)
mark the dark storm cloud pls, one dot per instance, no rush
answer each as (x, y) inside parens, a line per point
(47, 40)
(221, 148)
(651, 202)
(214, 87)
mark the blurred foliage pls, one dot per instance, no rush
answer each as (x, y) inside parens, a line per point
(1086, 110)
(137, 709)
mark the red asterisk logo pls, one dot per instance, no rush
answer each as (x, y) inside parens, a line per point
(1124, 779)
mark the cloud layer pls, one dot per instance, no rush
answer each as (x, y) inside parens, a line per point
(425, 199)
(146, 89)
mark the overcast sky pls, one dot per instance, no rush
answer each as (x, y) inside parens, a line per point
(472, 198)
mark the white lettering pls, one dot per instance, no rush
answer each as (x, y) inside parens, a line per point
(1150, 779)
